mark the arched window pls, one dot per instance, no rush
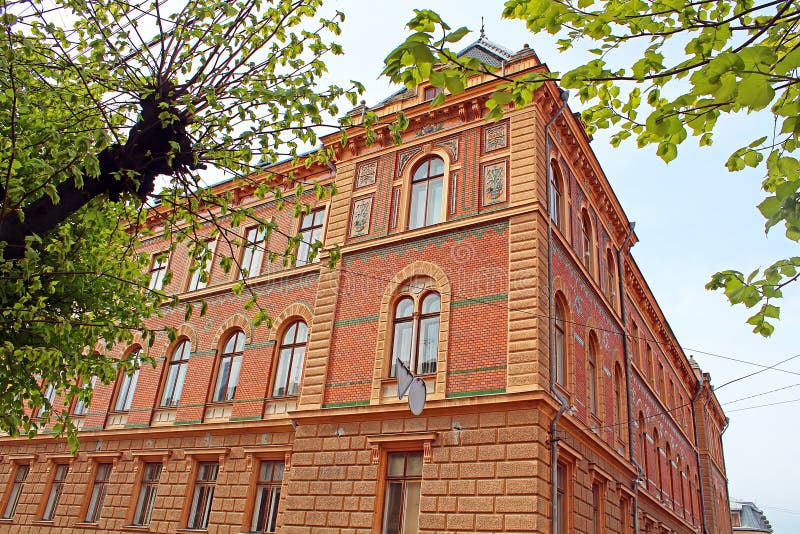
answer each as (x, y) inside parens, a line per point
(176, 374)
(657, 450)
(591, 373)
(643, 449)
(682, 502)
(426, 194)
(415, 339)
(611, 278)
(586, 241)
(291, 355)
(230, 363)
(556, 195)
(126, 387)
(560, 339)
(619, 410)
(668, 450)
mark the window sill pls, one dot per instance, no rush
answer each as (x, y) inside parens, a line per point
(86, 525)
(190, 530)
(135, 528)
(43, 522)
(7, 521)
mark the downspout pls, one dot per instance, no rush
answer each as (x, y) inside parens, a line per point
(697, 455)
(626, 352)
(553, 390)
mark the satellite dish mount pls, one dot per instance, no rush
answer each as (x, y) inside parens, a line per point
(413, 385)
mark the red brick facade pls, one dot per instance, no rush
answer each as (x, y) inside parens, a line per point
(486, 435)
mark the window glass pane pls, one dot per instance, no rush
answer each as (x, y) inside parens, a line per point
(297, 371)
(414, 465)
(416, 217)
(402, 344)
(302, 332)
(391, 511)
(319, 217)
(282, 374)
(428, 349)
(434, 210)
(233, 381)
(289, 336)
(411, 512)
(437, 167)
(405, 308)
(431, 303)
(222, 379)
(397, 465)
(421, 173)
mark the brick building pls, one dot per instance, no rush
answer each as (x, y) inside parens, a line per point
(493, 259)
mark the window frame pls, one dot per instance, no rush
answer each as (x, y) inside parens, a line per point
(611, 279)
(252, 248)
(14, 489)
(146, 492)
(564, 492)
(97, 492)
(182, 348)
(279, 357)
(272, 486)
(236, 358)
(587, 241)
(416, 319)
(560, 331)
(129, 382)
(556, 200)
(315, 232)
(620, 408)
(158, 269)
(427, 180)
(405, 480)
(201, 490)
(55, 490)
(598, 508)
(592, 375)
(195, 280)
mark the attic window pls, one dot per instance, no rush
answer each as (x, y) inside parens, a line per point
(432, 92)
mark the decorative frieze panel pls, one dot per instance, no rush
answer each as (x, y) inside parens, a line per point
(366, 174)
(494, 182)
(361, 216)
(404, 157)
(495, 137)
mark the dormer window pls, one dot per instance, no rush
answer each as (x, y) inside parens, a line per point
(432, 92)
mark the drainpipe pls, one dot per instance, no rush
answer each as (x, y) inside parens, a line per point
(697, 455)
(553, 390)
(626, 352)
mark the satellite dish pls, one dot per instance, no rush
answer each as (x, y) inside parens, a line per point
(404, 378)
(416, 395)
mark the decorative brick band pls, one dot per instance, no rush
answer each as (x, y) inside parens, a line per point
(350, 383)
(346, 404)
(356, 320)
(479, 300)
(476, 370)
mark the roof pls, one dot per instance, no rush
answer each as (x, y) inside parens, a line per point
(487, 51)
(751, 517)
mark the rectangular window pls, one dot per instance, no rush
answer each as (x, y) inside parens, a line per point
(268, 495)
(202, 267)
(147, 493)
(597, 509)
(127, 387)
(56, 489)
(662, 388)
(401, 506)
(16, 490)
(310, 233)
(625, 511)
(648, 372)
(253, 253)
(203, 495)
(635, 344)
(158, 268)
(99, 489)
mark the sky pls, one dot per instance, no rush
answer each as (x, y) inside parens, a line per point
(693, 218)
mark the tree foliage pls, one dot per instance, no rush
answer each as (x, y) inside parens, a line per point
(97, 101)
(738, 57)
